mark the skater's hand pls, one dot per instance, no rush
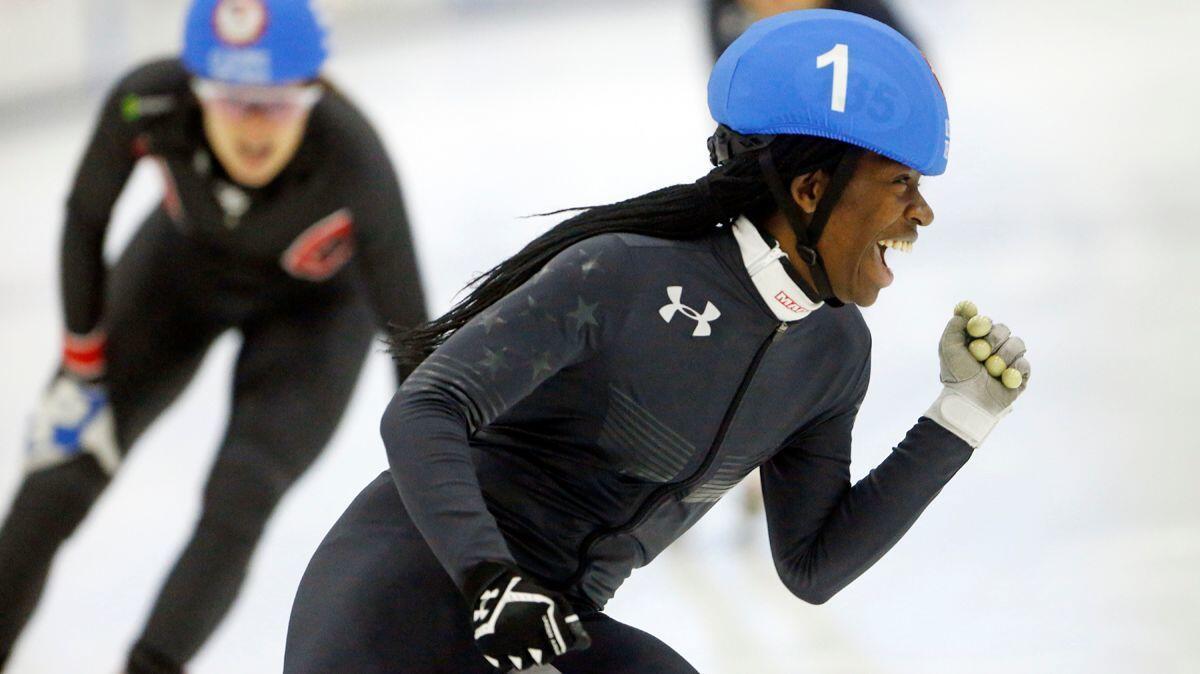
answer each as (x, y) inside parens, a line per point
(518, 623)
(983, 369)
(72, 418)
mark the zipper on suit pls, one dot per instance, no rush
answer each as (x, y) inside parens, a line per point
(664, 492)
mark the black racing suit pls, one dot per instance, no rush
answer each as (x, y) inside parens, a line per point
(306, 269)
(583, 423)
(727, 19)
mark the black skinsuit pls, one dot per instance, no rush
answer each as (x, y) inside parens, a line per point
(581, 424)
(306, 269)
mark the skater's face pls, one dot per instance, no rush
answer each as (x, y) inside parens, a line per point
(881, 203)
(255, 131)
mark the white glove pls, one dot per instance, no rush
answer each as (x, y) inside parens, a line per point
(973, 400)
(72, 418)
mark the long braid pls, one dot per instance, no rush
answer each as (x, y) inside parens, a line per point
(678, 212)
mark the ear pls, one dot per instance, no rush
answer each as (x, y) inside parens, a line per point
(807, 189)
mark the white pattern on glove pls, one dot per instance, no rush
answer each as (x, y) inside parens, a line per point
(518, 624)
(72, 418)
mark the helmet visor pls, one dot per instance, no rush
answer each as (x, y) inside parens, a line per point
(277, 101)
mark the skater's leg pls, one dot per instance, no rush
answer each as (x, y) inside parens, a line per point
(374, 599)
(48, 507)
(154, 347)
(294, 377)
(618, 648)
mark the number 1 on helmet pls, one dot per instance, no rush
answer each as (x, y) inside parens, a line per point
(839, 56)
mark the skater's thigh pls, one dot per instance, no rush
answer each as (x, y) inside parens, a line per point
(374, 600)
(158, 330)
(618, 648)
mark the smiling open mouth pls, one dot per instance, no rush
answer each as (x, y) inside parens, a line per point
(903, 246)
(894, 244)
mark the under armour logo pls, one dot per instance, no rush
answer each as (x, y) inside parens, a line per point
(711, 313)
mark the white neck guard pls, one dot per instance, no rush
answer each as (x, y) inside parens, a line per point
(765, 266)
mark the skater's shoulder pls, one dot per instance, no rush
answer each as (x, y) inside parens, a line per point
(596, 256)
(650, 243)
(633, 257)
(848, 328)
(151, 91)
(162, 76)
(342, 124)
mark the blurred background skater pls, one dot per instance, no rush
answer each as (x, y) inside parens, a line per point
(281, 219)
(597, 393)
(727, 19)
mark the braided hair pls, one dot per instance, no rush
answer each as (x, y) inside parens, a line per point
(679, 212)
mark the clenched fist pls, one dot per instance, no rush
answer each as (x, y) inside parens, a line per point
(983, 370)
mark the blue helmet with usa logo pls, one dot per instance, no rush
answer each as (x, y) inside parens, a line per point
(257, 42)
(836, 75)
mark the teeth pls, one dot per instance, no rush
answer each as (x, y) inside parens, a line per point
(902, 246)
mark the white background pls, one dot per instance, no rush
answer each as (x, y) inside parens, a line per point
(1070, 542)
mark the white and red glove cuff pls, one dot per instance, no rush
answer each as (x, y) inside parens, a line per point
(83, 355)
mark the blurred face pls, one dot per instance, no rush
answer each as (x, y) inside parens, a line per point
(879, 212)
(255, 130)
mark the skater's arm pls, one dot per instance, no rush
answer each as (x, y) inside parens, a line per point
(386, 259)
(824, 532)
(107, 162)
(142, 101)
(558, 318)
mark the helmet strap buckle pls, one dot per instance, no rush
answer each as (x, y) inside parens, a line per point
(725, 143)
(808, 255)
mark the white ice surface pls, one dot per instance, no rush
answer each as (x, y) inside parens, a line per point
(1070, 543)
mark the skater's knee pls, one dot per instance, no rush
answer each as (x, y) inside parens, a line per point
(66, 489)
(239, 500)
(145, 659)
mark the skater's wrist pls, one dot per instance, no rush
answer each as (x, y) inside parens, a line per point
(479, 577)
(83, 356)
(962, 416)
(516, 621)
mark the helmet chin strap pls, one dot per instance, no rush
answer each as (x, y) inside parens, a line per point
(807, 237)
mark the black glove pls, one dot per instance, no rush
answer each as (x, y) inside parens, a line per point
(517, 622)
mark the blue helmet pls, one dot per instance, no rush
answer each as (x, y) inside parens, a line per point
(836, 75)
(259, 42)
